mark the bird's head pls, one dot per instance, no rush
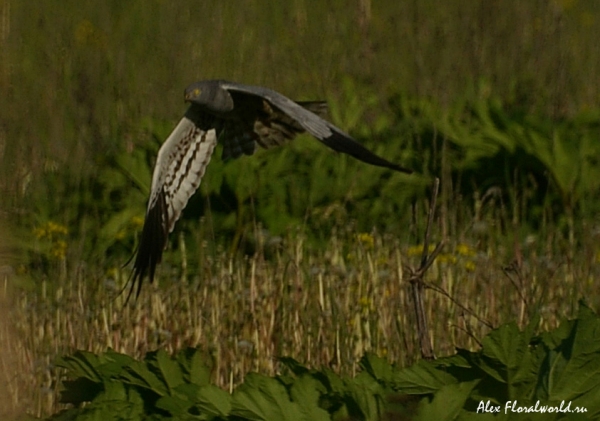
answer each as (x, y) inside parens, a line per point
(192, 92)
(210, 95)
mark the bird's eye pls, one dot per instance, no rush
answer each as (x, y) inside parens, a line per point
(197, 92)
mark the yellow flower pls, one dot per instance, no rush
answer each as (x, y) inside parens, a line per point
(54, 234)
(465, 250)
(50, 230)
(39, 232)
(446, 258)
(137, 222)
(418, 249)
(59, 249)
(112, 272)
(54, 228)
(366, 240)
(470, 266)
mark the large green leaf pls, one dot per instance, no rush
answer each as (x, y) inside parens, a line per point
(447, 402)
(508, 358)
(138, 374)
(378, 368)
(457, 387)
(571, 370)
(422, 378)
(166, 367)
(193, 363)
(82, 364)
(307, 392)
(213, 401)
(366, 397)
(176, 406)
(262, 398)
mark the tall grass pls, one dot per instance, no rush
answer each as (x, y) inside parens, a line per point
(323, 305)
(323, 308)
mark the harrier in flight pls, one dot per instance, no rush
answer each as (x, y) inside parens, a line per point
(241, 117)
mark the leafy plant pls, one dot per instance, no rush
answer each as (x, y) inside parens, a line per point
(555, 368)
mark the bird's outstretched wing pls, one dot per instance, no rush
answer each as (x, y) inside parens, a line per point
(260, 124)
(181, 163)
(241, 116)
(299, 116)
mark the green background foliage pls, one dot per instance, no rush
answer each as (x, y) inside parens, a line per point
(486, 94)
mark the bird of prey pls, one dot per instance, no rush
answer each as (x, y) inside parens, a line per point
(241, 117)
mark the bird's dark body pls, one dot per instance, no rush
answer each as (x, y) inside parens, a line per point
(241, 117)
(243, 120)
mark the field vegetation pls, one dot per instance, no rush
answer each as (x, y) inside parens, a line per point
(295, 252)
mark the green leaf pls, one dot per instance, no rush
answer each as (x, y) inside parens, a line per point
(82, 364)
(378, 368)
(138, 374)
(266, 399)
(367, 396)
(112, 364)
(192, 362)
(113, 391)
(571, 371)
(473, 416)
(507, 357)
(168, 368)
(174, 405)
(447, 402)
(421, 378)
(213, 401)
(307, 391)
(332, 381)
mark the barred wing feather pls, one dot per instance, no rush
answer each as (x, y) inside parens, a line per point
(181, 163)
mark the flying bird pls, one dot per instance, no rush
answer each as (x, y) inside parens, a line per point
(241, 117)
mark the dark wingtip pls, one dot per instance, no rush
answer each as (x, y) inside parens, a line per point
(150, 249)
(343, 143)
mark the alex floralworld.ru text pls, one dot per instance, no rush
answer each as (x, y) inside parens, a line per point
(513, 406)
